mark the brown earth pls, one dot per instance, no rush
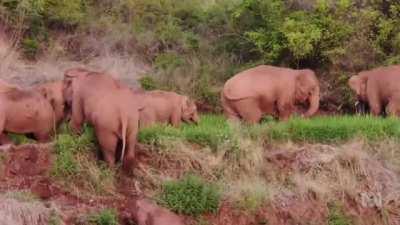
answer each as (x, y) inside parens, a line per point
(27, 167)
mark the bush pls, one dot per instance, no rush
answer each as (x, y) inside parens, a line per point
(191, 196)
(104, 217)
(148, 83)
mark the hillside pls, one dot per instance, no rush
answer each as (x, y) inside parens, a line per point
(340, 170)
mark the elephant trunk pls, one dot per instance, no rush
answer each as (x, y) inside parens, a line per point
(314, 103)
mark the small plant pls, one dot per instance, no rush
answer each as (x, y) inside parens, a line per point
(191, 196)
(54, 219)
(148, 83)
(30, 47)
(336, 216)
(104, 217)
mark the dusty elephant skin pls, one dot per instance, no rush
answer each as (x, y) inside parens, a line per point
(380, 88)
(166, 107)
(146, 212)
(109, 107)
(269, 90)
(24, 112)
(53, 92)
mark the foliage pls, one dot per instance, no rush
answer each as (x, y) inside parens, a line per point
(191, 196)
(148, 83)
(104, 217)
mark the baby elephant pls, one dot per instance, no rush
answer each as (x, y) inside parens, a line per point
(166, 107)
(24, 112)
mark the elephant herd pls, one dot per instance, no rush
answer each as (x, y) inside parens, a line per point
(117, 112)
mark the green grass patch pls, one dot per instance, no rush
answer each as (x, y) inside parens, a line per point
(190, 195)
(104, 217)
(211, 131)
(335, 128)
(67, 145)
(214, 130)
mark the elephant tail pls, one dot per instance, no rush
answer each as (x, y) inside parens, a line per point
(124, 127)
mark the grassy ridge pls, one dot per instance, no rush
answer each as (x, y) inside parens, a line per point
(214, 130)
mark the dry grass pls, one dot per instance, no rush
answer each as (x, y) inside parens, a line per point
(17, 211)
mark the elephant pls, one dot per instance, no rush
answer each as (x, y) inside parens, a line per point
(379, 88)
(166, 107)
(269, 90)
(106, 104)
(53, 92)
(25, 111)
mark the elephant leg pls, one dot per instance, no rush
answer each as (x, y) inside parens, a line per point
(129, 157)
(392, 108)
(42, 137)
(108, 142)
(4, 139)
(249, 110)
(375, 104)
(229, 112)
(176, 117)
(285, 109)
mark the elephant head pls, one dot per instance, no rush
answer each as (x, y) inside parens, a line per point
(307, 90)
(70, 76)
(53, 92)
(189, 111)
(358, 84)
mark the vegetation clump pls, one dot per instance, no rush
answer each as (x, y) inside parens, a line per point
(190, 195)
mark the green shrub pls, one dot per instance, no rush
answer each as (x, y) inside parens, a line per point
(191, 196)
(104, 217)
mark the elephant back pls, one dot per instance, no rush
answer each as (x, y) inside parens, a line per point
(251, 82)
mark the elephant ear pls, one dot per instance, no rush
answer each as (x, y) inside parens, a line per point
(358, 84)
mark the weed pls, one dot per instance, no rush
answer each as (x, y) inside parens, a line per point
(191, 196)
(30, 47)
(54, 219)
(104, 217)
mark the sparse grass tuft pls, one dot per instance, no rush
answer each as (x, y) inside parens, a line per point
(22, 196)
(104, 217)
(190, 195)
(336, 216)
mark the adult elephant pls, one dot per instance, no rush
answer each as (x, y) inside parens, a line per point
(166, 107)
(24, 111)
(107, 105)
(53, 92)
(269, 90)
(379, 88)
